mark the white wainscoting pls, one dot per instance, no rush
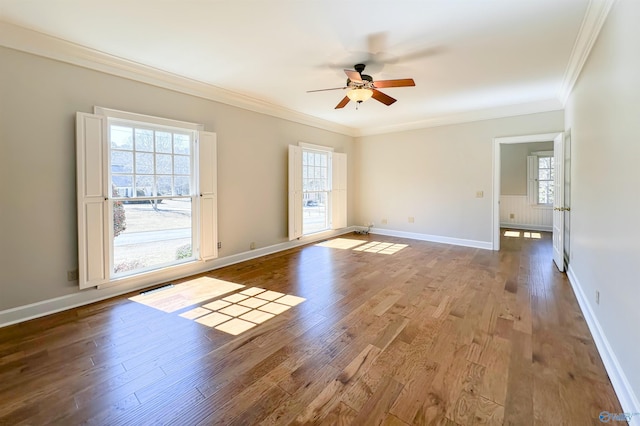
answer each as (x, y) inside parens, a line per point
(525, 215)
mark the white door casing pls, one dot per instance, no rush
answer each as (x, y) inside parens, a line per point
(558, 202)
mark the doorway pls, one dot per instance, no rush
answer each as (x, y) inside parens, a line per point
(559, 208)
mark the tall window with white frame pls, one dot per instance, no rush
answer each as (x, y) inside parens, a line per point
(316, 187)
(545, 179)
(151, 172)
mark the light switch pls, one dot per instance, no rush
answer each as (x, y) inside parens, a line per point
(479, 194)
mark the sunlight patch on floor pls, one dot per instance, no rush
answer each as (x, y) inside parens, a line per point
(382, 248)
(516, 234)
(341, 243)
(242, 311)
(186, 293)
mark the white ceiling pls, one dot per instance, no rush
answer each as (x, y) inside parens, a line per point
(466, 56)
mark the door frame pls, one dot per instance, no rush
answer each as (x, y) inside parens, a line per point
(495, 205)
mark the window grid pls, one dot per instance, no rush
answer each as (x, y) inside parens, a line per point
(545, 180)
(150, 163)
(316, 186)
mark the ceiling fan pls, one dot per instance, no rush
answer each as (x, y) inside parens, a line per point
(362, 87)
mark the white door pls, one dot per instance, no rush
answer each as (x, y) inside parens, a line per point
(558, 202)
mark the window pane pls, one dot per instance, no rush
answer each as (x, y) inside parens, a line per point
(163, 185)
(181, 144)
(314, 213)
(121, 137)
(182, 185)
(545, 194)
(121, 161)
(544, 162)
(122, 185)
(155, 234)
(144, 186)
(181, 165)
(144, 140)
(163, 142)
(544, 174)
(164, 164)
(144, 163)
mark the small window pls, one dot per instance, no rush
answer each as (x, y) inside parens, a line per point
(545, 180)
(541, 178)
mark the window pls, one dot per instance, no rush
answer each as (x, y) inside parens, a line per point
(545, 180)
(146, 195)
(541, 177)
(317, 190)
(152, 198)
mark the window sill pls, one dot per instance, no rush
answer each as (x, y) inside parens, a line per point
(157, 276)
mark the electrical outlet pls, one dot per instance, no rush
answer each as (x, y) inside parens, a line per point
(597, 297)
(252, 246)
(479, 194)
(384, 221)
(72, 275)
(512, 216)
(219, 244)
(411, 219)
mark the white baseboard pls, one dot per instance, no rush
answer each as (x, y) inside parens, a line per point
(628, 399)
(92, 295)
(487, 245)
(526, 227)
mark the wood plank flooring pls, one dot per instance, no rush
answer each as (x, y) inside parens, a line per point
(432, 334)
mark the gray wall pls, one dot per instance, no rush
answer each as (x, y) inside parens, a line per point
(433, 175)
(39, 98)
(603, 114)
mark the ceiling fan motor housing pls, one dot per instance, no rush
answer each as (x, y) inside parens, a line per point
(367, 82)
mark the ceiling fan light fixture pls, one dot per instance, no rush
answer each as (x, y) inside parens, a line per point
(359, 95)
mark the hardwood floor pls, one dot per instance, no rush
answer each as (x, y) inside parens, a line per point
(433, 334)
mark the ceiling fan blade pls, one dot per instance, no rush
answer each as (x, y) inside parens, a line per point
(353, 76)
(381, 97)
(402, 82)
(342, 103)
(324, 90)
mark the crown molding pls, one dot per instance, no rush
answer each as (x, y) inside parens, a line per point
(546, 105)
(594, 18)
(30, 41)
(26, 40)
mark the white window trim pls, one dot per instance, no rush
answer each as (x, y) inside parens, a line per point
(316, 147)
(95, 256)
(158, 121)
